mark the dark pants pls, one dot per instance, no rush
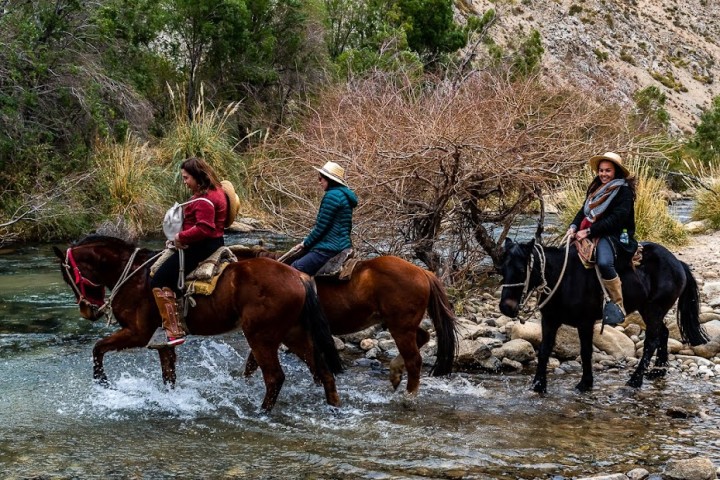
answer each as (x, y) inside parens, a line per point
(167, 274)
(312, 261)
(605, 257)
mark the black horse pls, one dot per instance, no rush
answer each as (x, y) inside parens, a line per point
(650, 289)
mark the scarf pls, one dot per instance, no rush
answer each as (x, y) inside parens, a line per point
(598, 201)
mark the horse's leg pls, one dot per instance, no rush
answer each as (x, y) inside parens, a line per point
(397, 364)
(302, 346)
(266, 356)
(585, 332)
(251, 365)
(407, 344)
(120, 340)
(653, 316)
(661, 354)
(549, 332)
(167, 363)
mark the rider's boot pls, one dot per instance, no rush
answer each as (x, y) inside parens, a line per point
(614, 289)
(171, 334)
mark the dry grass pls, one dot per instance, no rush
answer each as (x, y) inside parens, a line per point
(706, 190)
(129, 178)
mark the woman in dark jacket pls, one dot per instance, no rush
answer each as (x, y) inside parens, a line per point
(608, 216)
(331, 233)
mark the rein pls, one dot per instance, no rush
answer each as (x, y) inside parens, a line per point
(97, 304)
(542, 287)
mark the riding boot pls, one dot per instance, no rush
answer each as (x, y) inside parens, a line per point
(614, 290)
(171, 334)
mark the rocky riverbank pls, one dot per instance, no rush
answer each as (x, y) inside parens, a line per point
(492, 342)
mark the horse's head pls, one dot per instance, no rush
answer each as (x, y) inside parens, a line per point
(89, 266)
(514, 268)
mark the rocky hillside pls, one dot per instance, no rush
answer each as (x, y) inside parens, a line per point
(615, 47)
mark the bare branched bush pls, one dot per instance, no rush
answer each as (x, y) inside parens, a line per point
(441, 169)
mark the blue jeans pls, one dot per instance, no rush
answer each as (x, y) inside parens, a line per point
(605, 258)
(312, 261)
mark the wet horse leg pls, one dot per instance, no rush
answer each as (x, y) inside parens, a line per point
(549, 333)
(167, 364)
(302, 346)
(266, 356)
(661, 354)
(585, 332)
(251, 365)
(655, 333)
(407, 344)
(120, 340)
(397, 364)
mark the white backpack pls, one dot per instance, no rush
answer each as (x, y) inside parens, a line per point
(172, 223)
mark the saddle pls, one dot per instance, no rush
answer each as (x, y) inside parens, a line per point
(203, 279)
(339, 267)
(586, 253)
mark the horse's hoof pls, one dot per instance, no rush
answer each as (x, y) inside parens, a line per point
(103, 381)
(538, 388)
(634, 382)
(656, 373)
(583, 387)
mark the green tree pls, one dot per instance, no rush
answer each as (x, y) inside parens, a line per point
(706, 140)
(650, 113)
(526, 60)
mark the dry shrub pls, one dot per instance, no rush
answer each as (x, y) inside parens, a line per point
(440, 168)
(705, 187)
(129, 178)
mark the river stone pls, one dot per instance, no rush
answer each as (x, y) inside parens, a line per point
(530, 331)
(511, 365)
(368, 343)
(612, 476)
(707, 350)
(470, 353)
(567, 343)
(708, 316)
(698, 468)
(613, 342)
(518, 350)
(712, 328)
(696, 227)
(637, 474)
(674, 346)
(357, 337)
(633, 329)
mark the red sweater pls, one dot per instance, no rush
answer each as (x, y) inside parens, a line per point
(202, 220)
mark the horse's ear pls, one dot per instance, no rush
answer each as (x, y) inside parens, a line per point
(59, 253)
(508, 244)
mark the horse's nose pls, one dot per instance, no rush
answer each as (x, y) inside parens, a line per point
(509, 307)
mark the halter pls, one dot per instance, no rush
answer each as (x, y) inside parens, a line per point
(79, 282)
(542, 287)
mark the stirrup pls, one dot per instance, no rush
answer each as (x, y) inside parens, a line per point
(160, 339)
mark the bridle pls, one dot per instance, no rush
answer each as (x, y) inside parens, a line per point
(79, 282)
(540, 289)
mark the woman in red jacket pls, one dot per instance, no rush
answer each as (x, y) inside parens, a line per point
(201, 235)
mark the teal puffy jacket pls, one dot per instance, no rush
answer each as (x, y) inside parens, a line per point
(331, 232)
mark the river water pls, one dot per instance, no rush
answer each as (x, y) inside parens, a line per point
(57, 424)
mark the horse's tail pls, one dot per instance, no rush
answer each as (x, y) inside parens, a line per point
(444, 320)
(313, 319)
(688, 311)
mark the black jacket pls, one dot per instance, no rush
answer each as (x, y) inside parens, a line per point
(619, 216)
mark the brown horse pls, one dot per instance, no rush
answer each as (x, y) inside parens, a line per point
(393, 292)
(272, 303)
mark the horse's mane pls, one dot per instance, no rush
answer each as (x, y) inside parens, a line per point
(97, 238)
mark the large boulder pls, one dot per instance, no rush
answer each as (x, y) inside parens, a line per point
(698, 468)
(518, 350)
(613, 342)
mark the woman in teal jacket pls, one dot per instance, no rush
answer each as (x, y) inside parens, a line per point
(331, 234)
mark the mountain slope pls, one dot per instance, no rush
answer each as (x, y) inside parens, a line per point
(616, 47)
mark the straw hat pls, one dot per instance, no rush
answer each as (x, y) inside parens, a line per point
(233, 202)
(333, 171)
(610, 157)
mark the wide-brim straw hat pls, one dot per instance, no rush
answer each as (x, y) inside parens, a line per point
(610, 157)
(333, 171)
(233, 202)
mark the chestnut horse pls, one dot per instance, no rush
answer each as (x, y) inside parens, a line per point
(272, 303)
(393, 292)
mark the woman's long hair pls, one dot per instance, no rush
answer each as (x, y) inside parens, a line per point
(202, 172)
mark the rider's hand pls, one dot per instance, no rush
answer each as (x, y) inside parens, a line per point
(299, 246)
(178, 243)
(571, 232)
